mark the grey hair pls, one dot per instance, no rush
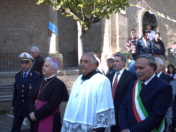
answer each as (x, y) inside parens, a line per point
(123, 58)
(53, 64)
(92, 59)
(159, 60)
(36, 48)
(150, 59)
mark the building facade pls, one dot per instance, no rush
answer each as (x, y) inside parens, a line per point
(24, 24)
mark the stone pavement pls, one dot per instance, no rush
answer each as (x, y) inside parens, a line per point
(6, 120)
(6, 124)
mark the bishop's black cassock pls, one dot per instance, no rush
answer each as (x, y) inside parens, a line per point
(44, 101)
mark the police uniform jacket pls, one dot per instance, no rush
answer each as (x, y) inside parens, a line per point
(21, 88)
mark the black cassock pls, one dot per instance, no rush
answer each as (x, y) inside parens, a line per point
(44, 101)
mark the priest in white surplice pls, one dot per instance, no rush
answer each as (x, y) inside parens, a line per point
(90, 106)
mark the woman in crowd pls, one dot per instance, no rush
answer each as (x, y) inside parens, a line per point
(171, 71)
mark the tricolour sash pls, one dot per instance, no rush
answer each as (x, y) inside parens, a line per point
(139, 110)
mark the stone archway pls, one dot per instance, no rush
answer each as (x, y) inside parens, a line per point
(149, 18)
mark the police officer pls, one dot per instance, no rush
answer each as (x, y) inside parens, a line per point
(24, 81)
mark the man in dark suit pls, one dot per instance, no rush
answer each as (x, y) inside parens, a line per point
(159, 73)
(38, 60)
(147, 99)
(110, 63)
(119, 81)
(24, 81)
(173, 125)
(167, 78)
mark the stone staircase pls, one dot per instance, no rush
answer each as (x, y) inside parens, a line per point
(6, 93)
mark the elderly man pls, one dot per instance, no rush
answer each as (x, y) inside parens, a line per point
(90, 106)
(146, 101)
(159, 73)
(45, 98)
(120, 81)
(38, 63)
(167, 78)
(24, 81)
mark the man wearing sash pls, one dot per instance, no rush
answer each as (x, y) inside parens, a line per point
(147, 99)
(90, 106)
(45, 99)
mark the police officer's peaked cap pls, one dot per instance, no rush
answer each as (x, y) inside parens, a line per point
(26, 57)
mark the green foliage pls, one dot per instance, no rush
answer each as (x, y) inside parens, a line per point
(87, 11)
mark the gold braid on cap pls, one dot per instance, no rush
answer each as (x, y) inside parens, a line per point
(25, 58)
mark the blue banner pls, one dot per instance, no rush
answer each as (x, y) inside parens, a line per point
(53, 27)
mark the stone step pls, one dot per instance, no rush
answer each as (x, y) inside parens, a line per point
(6, 93)
(6, 96)
(4, 100)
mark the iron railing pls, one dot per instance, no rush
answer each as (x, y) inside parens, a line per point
(10, 62)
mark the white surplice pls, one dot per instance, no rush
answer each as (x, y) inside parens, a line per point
(90, 105)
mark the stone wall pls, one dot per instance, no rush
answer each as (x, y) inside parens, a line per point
(165, 27)
(67, 76)
(25, 24)
(67, 39)
(92, 38)
(22, 25)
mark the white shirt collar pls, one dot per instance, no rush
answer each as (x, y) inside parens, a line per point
(159, 74)
(121, 71)
(146, 82)
(48, 77)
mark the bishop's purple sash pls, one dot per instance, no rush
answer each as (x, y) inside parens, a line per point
(46, 124)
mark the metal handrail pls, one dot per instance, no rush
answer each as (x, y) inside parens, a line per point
(10, 62)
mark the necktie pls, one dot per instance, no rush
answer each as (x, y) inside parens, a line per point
(115, 85)
(109, 71)
(25, 75)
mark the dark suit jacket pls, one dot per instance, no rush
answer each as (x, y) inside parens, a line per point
(174, 114)
(21, 88)
(38, 64)
(112, 70)
(156, 97)
(126, 78)
(166, 77)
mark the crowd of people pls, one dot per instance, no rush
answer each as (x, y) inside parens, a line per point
(119, 100)
(150, 43)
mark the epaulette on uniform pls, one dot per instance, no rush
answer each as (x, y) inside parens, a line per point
(36, 72)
